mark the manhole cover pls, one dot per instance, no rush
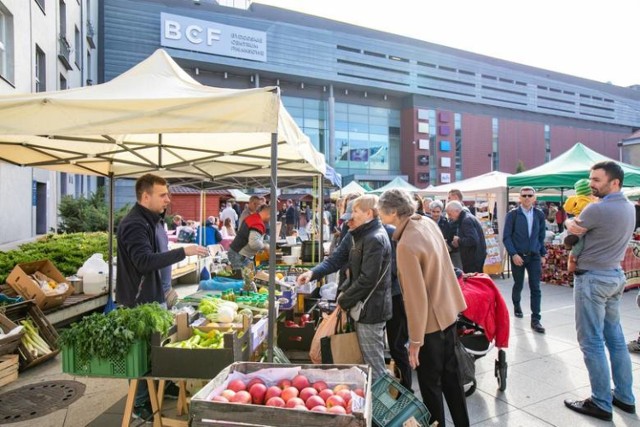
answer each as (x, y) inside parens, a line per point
(37, 400)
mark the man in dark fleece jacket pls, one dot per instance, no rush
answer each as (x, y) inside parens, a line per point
(141, 254)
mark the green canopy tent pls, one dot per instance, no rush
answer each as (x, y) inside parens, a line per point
(567, 168)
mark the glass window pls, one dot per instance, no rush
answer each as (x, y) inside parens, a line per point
(77, 47)
(41, 3)
(63, 82)
(41, 70)
(6, 44)
(358, 109)
(289, 101)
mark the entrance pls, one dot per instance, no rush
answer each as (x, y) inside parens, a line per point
(41, 208)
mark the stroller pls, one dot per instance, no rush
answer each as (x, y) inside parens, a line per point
(481, 327)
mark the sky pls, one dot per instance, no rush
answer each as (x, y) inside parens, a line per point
(593, 39)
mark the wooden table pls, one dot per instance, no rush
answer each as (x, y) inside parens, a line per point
(156, 396)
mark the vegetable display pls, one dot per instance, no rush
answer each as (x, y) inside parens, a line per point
(32, 341)
(111, 335)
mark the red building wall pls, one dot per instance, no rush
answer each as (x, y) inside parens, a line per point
(188, 205)
(409, 147)
(520, 141)
(476, 145)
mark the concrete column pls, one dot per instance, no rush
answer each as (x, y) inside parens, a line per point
(330, 154)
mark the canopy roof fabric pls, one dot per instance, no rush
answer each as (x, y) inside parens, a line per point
(567, 168)
(479, 184)
(396, 183)
(351, 188)
(155, 118)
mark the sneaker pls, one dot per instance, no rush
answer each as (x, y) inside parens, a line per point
(171, 391)
(143, 412)
(517, 311)
(537, 326)
(634, 346)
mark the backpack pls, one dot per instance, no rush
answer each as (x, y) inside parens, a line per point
(186, 236)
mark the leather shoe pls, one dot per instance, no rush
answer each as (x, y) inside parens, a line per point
(517, 311)
(537, 326)
(630, 409)
(587, 407)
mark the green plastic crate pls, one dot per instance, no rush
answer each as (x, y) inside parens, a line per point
(393, 404)
(134, 365)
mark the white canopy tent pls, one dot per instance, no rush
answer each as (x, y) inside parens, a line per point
(396, 183)
(352, 188)
(156, 118)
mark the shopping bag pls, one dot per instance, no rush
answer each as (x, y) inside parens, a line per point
(343, 346)
(466, 364)
(326, 327)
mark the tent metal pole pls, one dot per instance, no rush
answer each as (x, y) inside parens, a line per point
(321, 219)
(111, 229)
(272, 246)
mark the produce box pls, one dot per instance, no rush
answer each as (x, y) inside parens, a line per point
(8, 369)
(205, 412)
(393, 404)
(134, 365)
(296, 334)
(9, 344)
(259, 331)
(29, 309)
(196, 363)
(23, 284)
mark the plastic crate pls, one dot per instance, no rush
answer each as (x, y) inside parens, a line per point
(393, 404)
(134, 365)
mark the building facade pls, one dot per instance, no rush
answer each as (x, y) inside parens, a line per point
(377, 104)
(45, 45)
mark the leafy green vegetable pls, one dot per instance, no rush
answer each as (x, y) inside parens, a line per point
(110, 336)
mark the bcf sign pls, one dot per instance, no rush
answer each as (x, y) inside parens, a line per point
(181, 32)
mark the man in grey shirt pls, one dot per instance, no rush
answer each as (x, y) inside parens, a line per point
(599, 283)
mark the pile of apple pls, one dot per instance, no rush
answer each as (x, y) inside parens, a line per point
(304, 319)
(297, 393)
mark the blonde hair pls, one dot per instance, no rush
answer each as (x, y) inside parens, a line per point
(366, 202)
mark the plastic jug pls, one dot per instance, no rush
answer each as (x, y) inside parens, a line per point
(94, 273)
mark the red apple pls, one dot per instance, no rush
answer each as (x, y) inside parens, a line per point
(254, 381)
(336, 401)
(258, 391)
(220, 399)
(359, 392)
(304, 319)
(272, 391)
(228, 394)
(349, 406)
(291, 324)
(344, 394)
(289, 393)
(295, 401)
(284, 384)
(275, 401)
(300, 382)
(314, 401)
(237, 385)
(337, 410)
(325, 394)
(242, 396)
(319, 408)
(339, 387)
(320, 385)
(300, 408)
(306, 393)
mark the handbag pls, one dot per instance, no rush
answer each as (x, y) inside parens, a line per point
(328, 326)
(356, 310)
(342, 347)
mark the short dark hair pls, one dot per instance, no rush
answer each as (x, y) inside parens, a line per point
(457, 193)
(612, 169)
(262, 207)
(145, 184)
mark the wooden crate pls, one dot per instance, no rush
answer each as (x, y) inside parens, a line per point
(29, 309)
(9, 344)
(8, 369)
(203, 412)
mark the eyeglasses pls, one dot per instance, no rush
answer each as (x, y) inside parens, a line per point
(527, 195)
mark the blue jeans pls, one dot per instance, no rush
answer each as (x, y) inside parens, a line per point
(597, 296)
(533, 266)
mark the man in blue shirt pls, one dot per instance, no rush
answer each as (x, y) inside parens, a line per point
(523, 237)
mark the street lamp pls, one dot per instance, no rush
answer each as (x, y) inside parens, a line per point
(620, 145)
(490, 155)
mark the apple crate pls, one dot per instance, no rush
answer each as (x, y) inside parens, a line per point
(293, 336)
(393, 404)
(9, 344)
(204, 412)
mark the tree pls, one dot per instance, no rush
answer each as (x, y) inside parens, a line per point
(520, 167)
(87, 214)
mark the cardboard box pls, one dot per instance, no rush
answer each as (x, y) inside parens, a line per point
(23, 284)
(203, 412)
(172, 362)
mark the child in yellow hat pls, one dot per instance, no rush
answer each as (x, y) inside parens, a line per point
(574, 206)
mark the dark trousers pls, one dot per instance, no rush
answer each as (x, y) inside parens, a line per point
(398, 336)
(438, 374)
(533, 266)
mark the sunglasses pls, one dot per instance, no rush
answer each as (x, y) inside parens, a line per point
(527, 195)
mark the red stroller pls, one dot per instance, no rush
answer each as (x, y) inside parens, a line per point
(484, 324)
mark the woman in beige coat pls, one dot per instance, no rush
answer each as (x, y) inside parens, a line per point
(432, 299)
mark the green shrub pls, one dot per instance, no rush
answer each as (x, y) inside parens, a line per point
(87, 214)
(67, 252)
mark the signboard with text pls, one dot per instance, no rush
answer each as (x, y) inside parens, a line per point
(182, 32)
